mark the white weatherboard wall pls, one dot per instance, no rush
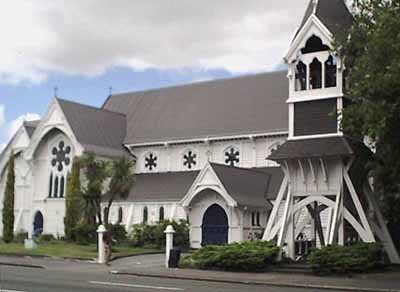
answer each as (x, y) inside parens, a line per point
(253, 153)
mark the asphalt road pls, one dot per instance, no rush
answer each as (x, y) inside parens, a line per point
(20, 279)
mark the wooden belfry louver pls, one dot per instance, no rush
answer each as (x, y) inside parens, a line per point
(325, 178)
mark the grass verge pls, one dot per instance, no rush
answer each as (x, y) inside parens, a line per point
(69, 250)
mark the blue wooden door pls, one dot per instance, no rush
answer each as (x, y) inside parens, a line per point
(38, 224)
(215, 226)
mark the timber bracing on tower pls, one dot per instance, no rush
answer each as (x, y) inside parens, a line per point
(312, 186)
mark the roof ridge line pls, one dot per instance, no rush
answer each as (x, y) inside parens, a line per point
(194, 83)
(89, 106)
(240, 168)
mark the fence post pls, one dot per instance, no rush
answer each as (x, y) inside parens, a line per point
(102, 252)
(169, 243)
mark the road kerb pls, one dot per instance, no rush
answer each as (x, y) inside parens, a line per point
(258, 283)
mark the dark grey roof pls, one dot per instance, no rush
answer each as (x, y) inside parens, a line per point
(317, 147)
(334, 14)
(164, 186)
(100, 131)
(243, 105)
(30, 127)
(250, 187)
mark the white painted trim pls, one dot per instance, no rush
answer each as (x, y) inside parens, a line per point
(315, 136)
(324, 94)
(42, 130)
(300, 39)
(195, 189)
(210, 139)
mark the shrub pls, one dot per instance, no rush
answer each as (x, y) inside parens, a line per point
(84, 234)
(46, 238)
(73, 199)
(181, 235)
(143, 234)
(251, 256)
(118, 232)
(8, 203)
(20, 237)
(358, 258)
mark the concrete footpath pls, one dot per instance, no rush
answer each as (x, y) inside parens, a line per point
(153, 266)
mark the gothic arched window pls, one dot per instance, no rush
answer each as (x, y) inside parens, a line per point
(189, 159)
(62, 187)
(301, 76)
(55, 193)
(315, 74)
(60, 163)
(330, 72)
(232, 156)
(51, 185)
(161, 215)
(120, 215)
(314, 44)
(145, 215)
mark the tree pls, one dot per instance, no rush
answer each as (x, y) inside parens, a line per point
(73, 199)
(96, 173)
(8, 204)
(372, 51)
(122, 180)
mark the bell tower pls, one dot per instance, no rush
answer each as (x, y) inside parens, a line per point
(325, 195)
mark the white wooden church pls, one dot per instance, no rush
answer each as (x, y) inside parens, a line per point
(254, 156)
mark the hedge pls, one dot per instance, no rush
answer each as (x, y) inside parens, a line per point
(357, 258)
(144, 234)
(254, 256)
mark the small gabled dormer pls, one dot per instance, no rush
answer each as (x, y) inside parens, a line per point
(315, 71)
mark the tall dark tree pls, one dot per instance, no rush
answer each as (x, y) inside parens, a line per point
(122, 180)
(8, 203)
(96, 173)
(73, 199)
(373, 76)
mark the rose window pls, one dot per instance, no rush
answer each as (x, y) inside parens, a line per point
(189, 159)
(61, 156)
(232, 156)
(151, 161)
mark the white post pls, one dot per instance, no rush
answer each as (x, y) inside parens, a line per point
(102, 252)
(169, 242)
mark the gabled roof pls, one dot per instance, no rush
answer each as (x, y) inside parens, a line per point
(334, 14)
(247, 105)
(97, 130)
(250, 186)
(317, 147)
(159, 187)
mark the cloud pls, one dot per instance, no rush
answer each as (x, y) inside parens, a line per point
(87, 37)
(9, 128)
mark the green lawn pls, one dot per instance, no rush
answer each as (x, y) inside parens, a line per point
(63, 249)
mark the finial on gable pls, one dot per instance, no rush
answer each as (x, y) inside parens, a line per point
(55, 91)
(110, 90)
(315, 5)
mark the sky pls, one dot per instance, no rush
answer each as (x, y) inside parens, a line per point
(84, 47)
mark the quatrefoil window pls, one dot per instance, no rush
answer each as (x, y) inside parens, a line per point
(232, 156)
(150, 161)
(60, 156)
(189, 159)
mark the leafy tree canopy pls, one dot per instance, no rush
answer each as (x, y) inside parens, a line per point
(372, 53)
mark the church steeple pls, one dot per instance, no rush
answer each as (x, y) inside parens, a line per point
(315, 71)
